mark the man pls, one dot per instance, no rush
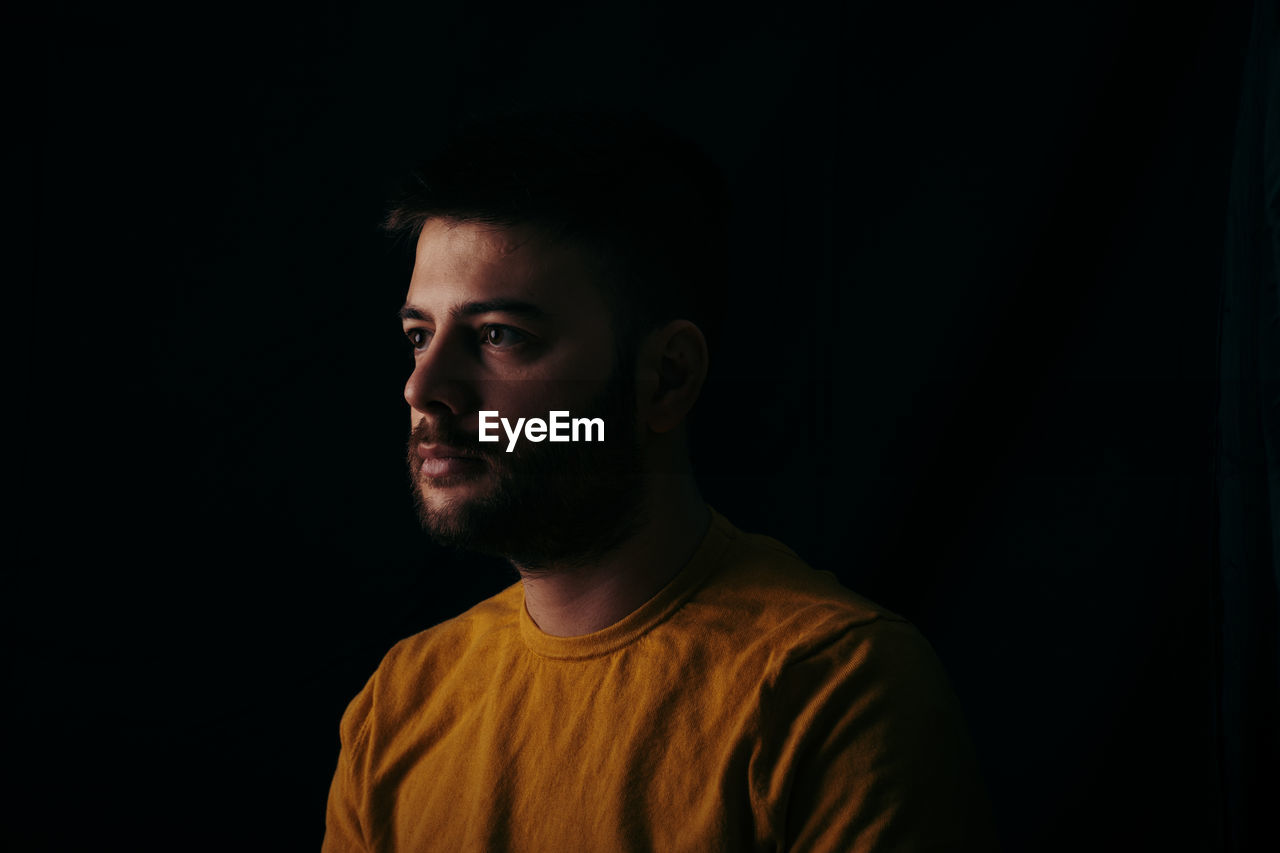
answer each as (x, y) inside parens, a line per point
(658, 679)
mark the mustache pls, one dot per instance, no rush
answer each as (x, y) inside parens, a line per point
(447, 433)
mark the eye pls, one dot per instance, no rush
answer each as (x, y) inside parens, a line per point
(501, 337)
(419, 337)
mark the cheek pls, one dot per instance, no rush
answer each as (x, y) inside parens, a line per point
(565, 381)
(524, 399)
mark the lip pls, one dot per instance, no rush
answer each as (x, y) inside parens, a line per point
(442, 460)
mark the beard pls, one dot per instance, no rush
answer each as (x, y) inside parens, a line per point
(547, 504)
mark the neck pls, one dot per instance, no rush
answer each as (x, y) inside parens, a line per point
(571, 601)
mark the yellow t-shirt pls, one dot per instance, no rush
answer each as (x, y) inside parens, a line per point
(752, 704)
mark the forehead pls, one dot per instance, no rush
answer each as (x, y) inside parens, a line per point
(460, 262)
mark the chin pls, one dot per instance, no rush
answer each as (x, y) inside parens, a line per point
(447, 507)
(446, 488)
(450, 496)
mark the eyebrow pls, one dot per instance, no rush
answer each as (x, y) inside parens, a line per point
(471, 309)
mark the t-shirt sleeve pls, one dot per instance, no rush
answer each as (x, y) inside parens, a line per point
(344, 830)
(866, 749)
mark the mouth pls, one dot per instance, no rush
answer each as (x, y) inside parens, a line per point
(441, 461)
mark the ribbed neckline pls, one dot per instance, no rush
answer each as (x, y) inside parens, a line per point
(650, 614)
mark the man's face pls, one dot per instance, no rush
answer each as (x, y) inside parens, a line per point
(502, 321)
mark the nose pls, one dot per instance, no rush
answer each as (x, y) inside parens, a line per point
(440, 383)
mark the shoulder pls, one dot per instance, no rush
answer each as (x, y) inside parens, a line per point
(862, 742)
(420, 664)
(764, 595)
(482, 625)
(797, 631)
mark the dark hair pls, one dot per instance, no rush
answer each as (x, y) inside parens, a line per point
(647, 205)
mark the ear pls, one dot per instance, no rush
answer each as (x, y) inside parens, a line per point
(670, 371)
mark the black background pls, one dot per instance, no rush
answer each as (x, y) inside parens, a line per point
(969, 366)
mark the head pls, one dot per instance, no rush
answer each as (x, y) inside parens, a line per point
(562, 263)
